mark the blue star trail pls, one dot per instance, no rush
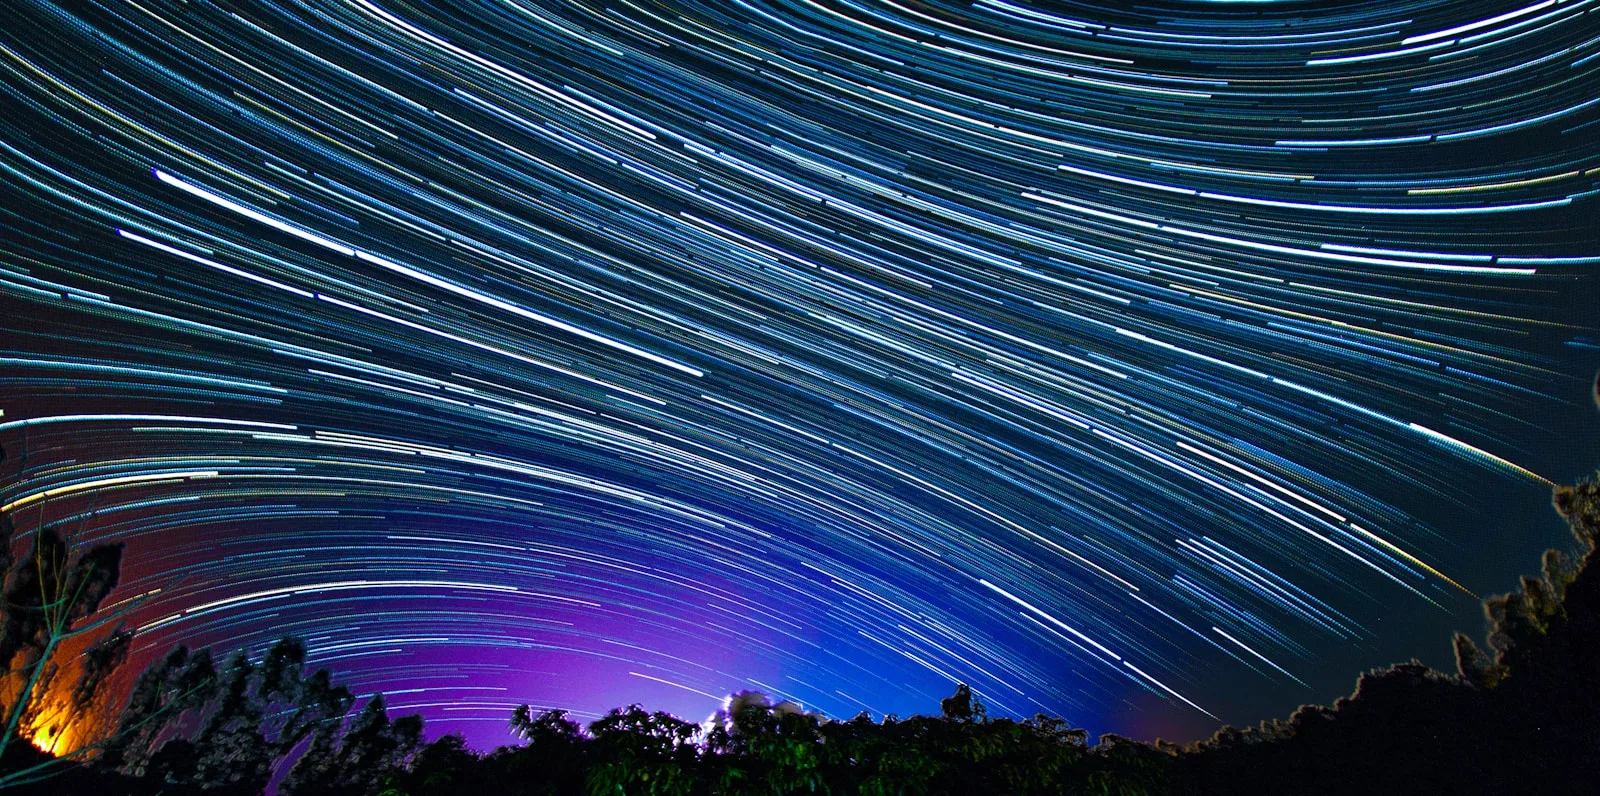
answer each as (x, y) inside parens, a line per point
(1150, 366)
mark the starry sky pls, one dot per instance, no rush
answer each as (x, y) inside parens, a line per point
(1152, 365)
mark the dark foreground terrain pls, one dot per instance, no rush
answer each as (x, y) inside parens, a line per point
(1520, 715)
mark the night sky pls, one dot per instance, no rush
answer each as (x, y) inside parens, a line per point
(1149, 365)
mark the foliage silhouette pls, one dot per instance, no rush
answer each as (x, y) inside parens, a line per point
(1525, 720)
(1521, 714)
(50, 610)
(371, 748)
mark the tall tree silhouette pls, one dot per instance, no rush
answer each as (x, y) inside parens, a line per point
(226, 732)
(371, 748)
(50, 602)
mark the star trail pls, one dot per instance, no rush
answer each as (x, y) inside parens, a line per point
(1152, 366)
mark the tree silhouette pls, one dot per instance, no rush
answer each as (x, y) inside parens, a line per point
(445, 766)
(1521, 717)
(171, 688)
(635, 751)
(51, 599)
(958, 706)
(761, 747)
(371, 749)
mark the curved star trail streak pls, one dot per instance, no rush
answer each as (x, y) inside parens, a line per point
(1148, 367)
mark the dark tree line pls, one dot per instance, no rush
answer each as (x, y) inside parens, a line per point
(1520, 715)
(762, 748)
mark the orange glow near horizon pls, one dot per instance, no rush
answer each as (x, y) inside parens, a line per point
(55, 744)
(51, 724)
(51, 728)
